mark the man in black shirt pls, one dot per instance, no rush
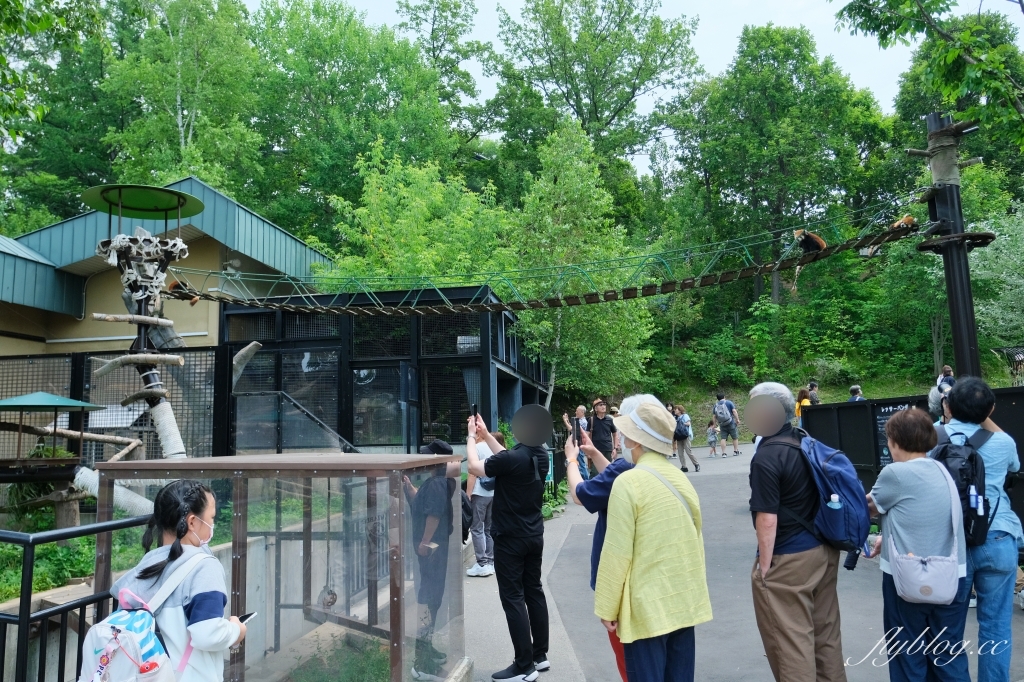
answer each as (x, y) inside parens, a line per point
(602, 430)
(517, 527)
(794, 576)
(432, 525)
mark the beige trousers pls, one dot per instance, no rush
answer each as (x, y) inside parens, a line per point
(797, 613)
(683, 446)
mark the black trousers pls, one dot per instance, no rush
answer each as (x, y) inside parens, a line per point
(517, 563)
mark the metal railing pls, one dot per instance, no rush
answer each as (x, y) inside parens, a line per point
(26, 618)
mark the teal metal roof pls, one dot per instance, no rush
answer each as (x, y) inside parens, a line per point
(12, 248)
(27, 278)
(40, 401)
(71, 244)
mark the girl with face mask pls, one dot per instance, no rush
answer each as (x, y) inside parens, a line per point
(191, 621)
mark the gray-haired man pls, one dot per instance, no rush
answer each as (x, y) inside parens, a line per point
(794, 576)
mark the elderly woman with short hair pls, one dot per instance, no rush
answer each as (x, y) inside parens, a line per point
(651, 582)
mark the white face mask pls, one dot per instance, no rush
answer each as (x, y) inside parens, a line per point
(206, 542)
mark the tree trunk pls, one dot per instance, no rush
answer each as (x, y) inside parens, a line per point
(938, 341)
(551, 389)
(776, 287)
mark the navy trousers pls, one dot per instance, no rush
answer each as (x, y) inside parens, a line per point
(668, 658)
(925, 640)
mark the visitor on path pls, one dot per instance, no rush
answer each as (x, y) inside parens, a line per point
(921, 515)
(581, 416)
(938, 405)
(602, 431)
(946, 377)
(992, 566)
(803, 399)
(433, 523)
(812, 393)
(856, 395)
(712, 433)
(482, 498)
(794, 575)
(518, 530)
(727, 419)
(593, 495)
(682, 437)
(191, 620)
(651, 583)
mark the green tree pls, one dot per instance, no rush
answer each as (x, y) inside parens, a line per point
(781, 138)
(977, 71)
(919, 96)
(411, 223)
(441, 27)
(328, 87)
(191, 80)
(64, 153)
(565, 220)
(595, 58)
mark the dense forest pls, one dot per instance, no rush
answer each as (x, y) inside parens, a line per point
(373, 144)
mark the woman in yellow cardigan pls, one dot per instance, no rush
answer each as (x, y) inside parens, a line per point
(651, 583)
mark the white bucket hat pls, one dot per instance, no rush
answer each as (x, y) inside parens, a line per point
(650, 425)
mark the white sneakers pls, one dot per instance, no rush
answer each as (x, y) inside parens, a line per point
(478, 571)
(1020, 600)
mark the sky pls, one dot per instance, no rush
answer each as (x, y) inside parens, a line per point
(721, 22)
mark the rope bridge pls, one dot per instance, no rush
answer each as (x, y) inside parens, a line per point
(423, 296)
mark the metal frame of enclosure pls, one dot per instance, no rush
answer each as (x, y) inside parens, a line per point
(305, 474)
(384, 383)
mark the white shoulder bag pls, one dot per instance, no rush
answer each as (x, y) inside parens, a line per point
(933, 579)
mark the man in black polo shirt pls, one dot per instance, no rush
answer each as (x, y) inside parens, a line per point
(794, 575)
(602, 431)
(517, 527)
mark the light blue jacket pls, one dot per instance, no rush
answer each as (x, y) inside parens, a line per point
(1000, 456)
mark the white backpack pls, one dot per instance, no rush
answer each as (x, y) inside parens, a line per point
(124, 646)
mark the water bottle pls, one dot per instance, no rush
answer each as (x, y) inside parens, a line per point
(973, 493)
(834, 503)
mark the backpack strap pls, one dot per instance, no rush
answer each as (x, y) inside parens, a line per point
(174, 581)
(786, 511)
(979, 438)
(675, 491)
(954, 505)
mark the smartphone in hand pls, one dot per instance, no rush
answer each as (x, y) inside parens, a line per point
(247, 617)
(576, 431)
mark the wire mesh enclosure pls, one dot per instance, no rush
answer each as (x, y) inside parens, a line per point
(300, 326)
(447, 393)
(252, 327)
(376, 406)
(191, 396)
(450, 334)
(19, 376)
(381, 337)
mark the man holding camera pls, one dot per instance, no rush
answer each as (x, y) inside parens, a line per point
(517, 527)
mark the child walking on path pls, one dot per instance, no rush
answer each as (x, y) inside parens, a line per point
(713, 438)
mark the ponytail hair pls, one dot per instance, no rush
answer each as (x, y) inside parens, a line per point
(171, 509)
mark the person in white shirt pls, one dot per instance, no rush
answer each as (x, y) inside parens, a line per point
(482, 497)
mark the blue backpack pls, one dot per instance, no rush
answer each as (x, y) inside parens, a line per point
(845, 528)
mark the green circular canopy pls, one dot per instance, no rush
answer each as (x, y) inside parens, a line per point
(141, 201)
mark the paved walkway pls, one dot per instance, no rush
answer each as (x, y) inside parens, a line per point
(729, 647)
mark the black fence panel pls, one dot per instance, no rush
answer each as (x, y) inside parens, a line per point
(858, 429)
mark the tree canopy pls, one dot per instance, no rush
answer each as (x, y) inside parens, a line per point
(373, 144)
